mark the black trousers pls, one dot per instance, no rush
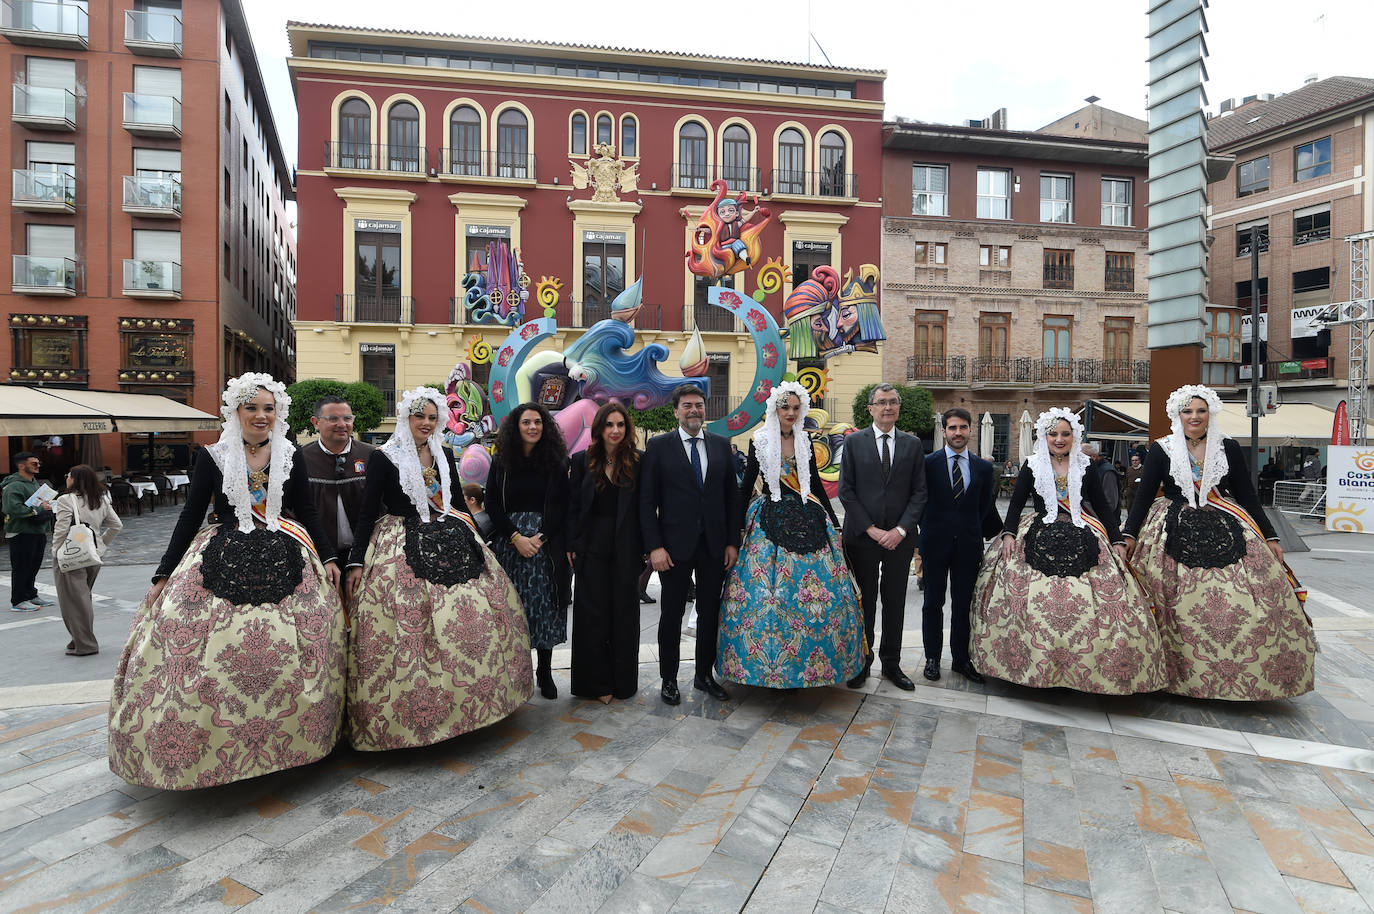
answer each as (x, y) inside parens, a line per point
(957, 569)
(882, 573)
(26, 557)
(709, 572)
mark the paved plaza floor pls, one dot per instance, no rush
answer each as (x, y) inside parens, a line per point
(954, 797)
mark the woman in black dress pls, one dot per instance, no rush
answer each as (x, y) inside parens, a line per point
(606, 551)
(527, 498)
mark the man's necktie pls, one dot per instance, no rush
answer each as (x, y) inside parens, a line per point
(696, 463)
(958, 479)
(887, 456)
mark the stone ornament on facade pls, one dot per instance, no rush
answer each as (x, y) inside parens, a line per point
(607, 176)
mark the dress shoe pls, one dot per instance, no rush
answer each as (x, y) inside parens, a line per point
(711, 687)
(932, 670)
(546, 687)
(76, 653)
(966, 670)
(646, 599)
(895, 676)
(671, 696)
(858, 681)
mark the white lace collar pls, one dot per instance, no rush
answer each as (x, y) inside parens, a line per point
(1214, 465)
(768, 441)
(229, 456)
(1043, 467)
(402, 451)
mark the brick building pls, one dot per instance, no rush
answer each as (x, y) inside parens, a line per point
(1015, 264)
(1303, 181)
(418, 150)
(122, 276)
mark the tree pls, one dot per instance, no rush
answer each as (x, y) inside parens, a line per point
(658, 419)
(918, 409)
(368, 406)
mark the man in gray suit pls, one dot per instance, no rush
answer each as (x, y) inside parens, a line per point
(883, 491)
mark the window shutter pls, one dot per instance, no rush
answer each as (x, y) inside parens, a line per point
(52, 241)
(157, 81)
(159, 246)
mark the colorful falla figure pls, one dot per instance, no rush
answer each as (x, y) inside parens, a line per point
(827, 318)
(726, 238)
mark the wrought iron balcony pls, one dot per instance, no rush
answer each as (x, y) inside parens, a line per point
(43, 23)
(1058, 276)
(937, 371)
(1119, 280)
(824, 183)
(374, 308)
(1124, 372)
(35, 275)
(44, 108)
(486, 163)
(153, 33)
(1000, 370)
(711, 319)
(698, 176)
(43, 191)
(152, 279)
(152, 115)
(691, 176)
(149, 196)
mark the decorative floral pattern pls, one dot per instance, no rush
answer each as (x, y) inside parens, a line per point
(1092, 632)
(208, 692)
(789, 620)
(1234, 632)
(427, 662)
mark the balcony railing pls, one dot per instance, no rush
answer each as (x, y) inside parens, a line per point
(35, 275)
(156, 33)
(152, 279)
(1124, 372)
(56, 25)
(1058, 277)
(953, 369)
(718, 406)
(998, 370)
(691, 175)
(1120, 280)
(813, 183)
(152, 115)
(1289, 370)
(698, 176)
(149, 196)
(43, 191)
(1054, 371)
(487, 163)
(710, 318)
(44, 107)
(374, 308)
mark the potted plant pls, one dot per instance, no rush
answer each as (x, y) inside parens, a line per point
(152, 273)
(41, 273)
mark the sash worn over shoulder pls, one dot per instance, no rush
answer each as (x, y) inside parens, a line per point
(1222, 504)
(290, 528)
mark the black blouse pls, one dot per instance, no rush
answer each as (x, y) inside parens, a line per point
(382, 494)
(1091, 492)
(1235, 484)
(751, 475)
(510, 490)
(207, 487)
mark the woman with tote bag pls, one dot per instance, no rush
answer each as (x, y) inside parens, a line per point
(86, 524)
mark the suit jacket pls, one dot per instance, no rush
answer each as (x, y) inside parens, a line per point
(967, 518)
(327, 487)
(582, 491)
(674, 512)
(869, 499)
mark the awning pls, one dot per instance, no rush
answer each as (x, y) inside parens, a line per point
(61, 411)
(1291, 423)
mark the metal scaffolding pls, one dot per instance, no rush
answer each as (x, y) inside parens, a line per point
(1358, 315)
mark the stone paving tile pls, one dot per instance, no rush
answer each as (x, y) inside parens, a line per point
(1184, 875)
(795, 879)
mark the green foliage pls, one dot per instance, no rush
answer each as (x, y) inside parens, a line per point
(658, 419)
(918, 409)
(366, 400)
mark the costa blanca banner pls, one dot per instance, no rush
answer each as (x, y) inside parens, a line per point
(1350, 489)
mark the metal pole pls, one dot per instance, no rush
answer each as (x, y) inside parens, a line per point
(1254, 356)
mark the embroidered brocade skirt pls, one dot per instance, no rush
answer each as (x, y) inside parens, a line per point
(1092, 632)
(1236, 632)
(790, 619)
(208, 692)
(427, 662)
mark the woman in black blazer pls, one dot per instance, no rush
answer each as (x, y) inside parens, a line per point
(607, 553)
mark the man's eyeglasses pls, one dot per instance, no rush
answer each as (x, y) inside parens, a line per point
(335, 420)
(886, 403)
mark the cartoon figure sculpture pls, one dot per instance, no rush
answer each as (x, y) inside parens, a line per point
(827, 318)
(605, 175)
(467, 419)
(809, 303)
(496, 293)
(859, 324)
(726, 238)
(599, 362)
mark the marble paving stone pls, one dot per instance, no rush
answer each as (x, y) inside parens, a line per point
(64, 820)
(518, 885)
(1321, 896)
(1355, 788)
(1092, 751)
(949, 699)
(794, 880)
(168, 889)
(1042, 768)
(1057, 868)
(658, 812)
(594, 877)
(1050, 813)
(25, 769)
(947, 776)
(935, 838)
(918, 890)
(1044, 713)
(1292, 847)
(1103, 801)
(15, 816)
(997, 766)
(993, 827)
(892, 789)
(990, 886)
(24, 878)
(623, 751)
(1048, 739)
(1184, 875)
(1008, 728)
(295, 821)
(391, 878)
(651, 767)
(779, 804)
(1139, 757)
(100, 884)
(796, 772)
(1043, 901)
(1244, 775)
(1159, 809)
(1292, 750)
(18, 795)
(753, 836)
(910, 738)
(863, 869)
(1359, 870)
(1189, 761)
(640, 894)
(603, 809)
(1168, 731)
(955, 733)
(722, 883)
(1119, 881)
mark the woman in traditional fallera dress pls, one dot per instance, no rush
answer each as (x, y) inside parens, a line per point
(1229, 610)
(439, 645)
(235, 664)
(1055, 604)
(607, 553)
(791, 616)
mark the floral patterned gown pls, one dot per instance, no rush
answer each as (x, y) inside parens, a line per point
(1063, 610)
(791, 615)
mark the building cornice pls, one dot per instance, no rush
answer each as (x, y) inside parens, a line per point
(1136, 298)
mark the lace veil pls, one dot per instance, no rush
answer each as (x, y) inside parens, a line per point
(1043, 467)
(768, 441)
(228, 450)
(400, 449)
(1214, 465)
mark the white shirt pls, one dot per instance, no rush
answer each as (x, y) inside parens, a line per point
(687, 447)
(964, 469)
(891, 441)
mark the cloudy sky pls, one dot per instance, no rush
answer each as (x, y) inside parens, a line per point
(945, 62)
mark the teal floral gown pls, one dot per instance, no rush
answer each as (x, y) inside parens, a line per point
(791, 615)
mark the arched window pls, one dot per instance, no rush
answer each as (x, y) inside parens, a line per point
(465, 141)
(512, 144)
(403, 137)
(629, 141)
(603, 129)
(579, 135)
(355, 134)
(790, 175)
(691, 155)
(835, 182)
(734, 155)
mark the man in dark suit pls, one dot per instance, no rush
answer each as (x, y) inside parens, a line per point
(1103, 475)
(883, 491)
(337, 464)
(961, 489)
(687, 494)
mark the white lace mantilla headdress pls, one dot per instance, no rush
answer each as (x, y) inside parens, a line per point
(1214, 465)
(401, 450)
(768, 441)
(1043, 467)
(228, 450)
